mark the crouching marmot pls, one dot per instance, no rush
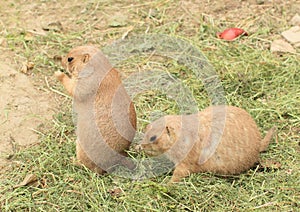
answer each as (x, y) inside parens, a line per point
(219, 139)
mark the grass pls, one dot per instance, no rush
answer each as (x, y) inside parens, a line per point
(266, 85)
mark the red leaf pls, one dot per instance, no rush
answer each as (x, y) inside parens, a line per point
(231, 33)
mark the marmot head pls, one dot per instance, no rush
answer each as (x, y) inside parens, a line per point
(77, 58)
(159, 137)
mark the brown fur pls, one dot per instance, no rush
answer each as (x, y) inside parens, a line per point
(113, 110)
(236, 151)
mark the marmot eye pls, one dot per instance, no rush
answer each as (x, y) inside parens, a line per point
(70, 59)
(153, 138)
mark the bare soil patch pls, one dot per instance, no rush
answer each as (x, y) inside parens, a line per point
(24, 108)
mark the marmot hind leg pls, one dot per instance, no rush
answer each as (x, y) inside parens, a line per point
(86, 161)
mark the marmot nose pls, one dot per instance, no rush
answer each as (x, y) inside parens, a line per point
(138, 148)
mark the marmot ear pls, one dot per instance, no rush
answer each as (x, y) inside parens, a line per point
(171, 132)
(86, 58)
(168, 130)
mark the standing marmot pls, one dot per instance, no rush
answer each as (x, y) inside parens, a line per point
(104, 109)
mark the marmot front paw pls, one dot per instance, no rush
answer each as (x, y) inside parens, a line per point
(59, 75)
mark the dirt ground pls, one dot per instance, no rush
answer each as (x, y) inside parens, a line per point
(23, 109)
(24, 105)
